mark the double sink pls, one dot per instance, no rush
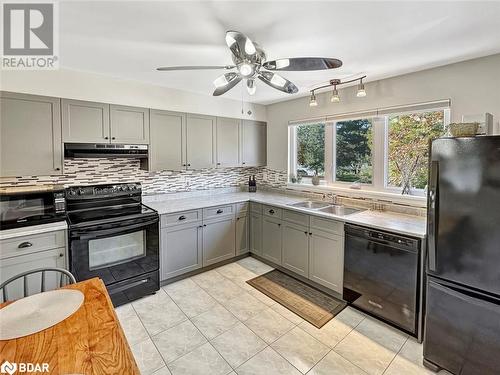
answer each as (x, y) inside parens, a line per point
(329, 208)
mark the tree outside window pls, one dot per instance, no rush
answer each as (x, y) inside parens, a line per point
(354, 142)
(408, 148)
(311, 150)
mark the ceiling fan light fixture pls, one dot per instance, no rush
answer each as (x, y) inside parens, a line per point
(361, 93)
(249, 47)
(278, 80)
(312, 100)
(251, 88)
(224, 79)
(282, 63)
(245, 69)
(335, 98)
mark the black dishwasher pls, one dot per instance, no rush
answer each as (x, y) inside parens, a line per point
(381, 275)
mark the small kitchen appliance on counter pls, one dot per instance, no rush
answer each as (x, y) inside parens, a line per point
(113, 236)
(22, 206)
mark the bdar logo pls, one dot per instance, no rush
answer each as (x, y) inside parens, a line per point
(8, 368)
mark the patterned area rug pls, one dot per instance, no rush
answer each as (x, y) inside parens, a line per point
(309, 303)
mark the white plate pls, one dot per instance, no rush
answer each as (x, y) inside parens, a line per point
(40, 311)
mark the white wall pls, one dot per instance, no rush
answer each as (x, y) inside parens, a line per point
(94, 87)
(473, 87)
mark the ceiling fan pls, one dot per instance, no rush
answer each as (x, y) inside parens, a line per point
(250, 62)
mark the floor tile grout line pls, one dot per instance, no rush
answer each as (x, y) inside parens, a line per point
(393, 358)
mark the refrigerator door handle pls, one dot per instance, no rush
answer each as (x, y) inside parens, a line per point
(433, 220)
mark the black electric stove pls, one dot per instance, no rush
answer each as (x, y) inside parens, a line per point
(113, 236)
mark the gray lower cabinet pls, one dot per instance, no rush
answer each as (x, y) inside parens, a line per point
(295, 254)
(200, 138)
(20, 254)
(271, 239)
(256, 233)
(242, 235)
(227, 142)
(326, 259)
(167, 145)
(85, 121)
(181, 249)
(30, 135)
(129, 124)
(218, 240)
(253, 143)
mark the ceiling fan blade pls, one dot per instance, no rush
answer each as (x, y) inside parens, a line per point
(225, 83)
(240, 45)
(195, 67)
(303, 64)
(278, 82)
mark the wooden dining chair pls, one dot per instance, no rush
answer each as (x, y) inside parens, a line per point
(65, 278)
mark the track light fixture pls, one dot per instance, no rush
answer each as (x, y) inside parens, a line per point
(312, 100)
(335, 98)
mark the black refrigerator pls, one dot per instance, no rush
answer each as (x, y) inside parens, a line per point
(462, 324)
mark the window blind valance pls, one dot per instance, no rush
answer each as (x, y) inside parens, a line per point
(415, 107)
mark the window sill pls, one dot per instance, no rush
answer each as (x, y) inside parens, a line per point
(410, 200)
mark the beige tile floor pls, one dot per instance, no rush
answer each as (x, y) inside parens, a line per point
(215, 323)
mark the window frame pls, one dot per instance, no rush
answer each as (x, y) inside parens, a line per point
(380, 156)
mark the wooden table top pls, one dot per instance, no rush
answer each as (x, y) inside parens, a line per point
(91, 341)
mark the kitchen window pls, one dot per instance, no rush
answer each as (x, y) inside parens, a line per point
(383, 150)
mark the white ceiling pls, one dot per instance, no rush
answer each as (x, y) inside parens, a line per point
(130, 39)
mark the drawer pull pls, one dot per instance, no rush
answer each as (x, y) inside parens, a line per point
(219, 211)
(61, 255)
(182, 217)
(271, 212)
(24, 245)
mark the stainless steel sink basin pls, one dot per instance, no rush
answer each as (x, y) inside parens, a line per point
(312, 205)
(339, 210)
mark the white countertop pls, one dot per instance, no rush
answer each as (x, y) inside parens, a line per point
(384, 220)
(33, 229)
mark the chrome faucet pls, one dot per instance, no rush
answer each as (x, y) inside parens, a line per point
(332, 197)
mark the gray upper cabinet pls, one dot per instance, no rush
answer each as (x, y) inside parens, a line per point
(200, 137)
(218, 240)
(85, 121)
(296, 248)
(253, 143)
(271, 239)
(326, 259)
(167, 145)
(227, 142)
(30, 135)
(129, 124)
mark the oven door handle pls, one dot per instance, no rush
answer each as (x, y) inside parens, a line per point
(88, 233)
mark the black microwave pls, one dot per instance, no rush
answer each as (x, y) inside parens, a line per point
(31, 205)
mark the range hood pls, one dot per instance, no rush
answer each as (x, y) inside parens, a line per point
(105, 150)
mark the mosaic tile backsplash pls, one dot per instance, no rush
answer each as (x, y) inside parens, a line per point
(82, 171)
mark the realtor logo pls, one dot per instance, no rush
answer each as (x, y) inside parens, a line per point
(29, 36)
(8, 368)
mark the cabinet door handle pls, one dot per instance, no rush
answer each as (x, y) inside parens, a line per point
(57, 169)
(24, 245)
(61, 255)
(271, 212)
(279, 225)
(204, 225)
(306, 233)
(182, 217)
(310, 234)
(243, 163)
(113, 138)
(219, 211)
(218, 163)
(106, 137)
(189, 165)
